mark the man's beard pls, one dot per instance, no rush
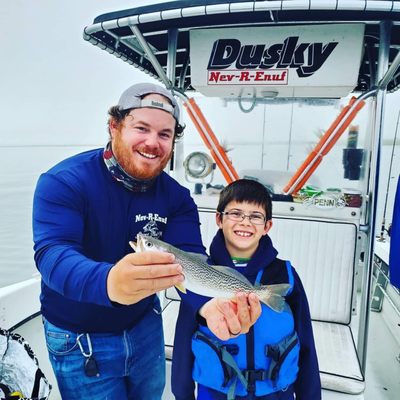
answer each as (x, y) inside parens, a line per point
(125, 160)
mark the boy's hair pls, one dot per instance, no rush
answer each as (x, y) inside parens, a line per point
(246, 190)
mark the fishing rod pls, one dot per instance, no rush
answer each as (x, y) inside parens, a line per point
(383, 226)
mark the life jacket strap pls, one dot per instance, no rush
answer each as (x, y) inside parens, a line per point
(234, 372)
(231, 363)
(253, 375)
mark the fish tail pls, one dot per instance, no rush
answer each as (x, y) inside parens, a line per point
(273, 296)
(280, 289)
(274, 301)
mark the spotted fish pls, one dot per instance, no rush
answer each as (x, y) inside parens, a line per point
(213, 280)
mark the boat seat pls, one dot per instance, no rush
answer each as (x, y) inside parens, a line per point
(324, 253)
(338, 362)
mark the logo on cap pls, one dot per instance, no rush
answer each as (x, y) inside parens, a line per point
(157, 104)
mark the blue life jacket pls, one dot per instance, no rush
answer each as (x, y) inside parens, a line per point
(263, 361)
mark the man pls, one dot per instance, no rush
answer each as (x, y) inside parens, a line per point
(101, 315)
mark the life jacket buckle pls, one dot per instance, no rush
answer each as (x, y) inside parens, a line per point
(253, 375)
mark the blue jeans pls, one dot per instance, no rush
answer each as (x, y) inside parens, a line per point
(130, 365)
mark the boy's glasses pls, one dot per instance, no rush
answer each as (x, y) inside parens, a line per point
(239, 216)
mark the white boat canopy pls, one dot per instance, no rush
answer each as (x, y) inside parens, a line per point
(165, 30)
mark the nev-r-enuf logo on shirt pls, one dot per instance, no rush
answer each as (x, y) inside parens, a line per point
(151, 217)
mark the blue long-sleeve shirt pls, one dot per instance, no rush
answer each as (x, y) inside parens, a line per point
(308, 384)
(83, 220)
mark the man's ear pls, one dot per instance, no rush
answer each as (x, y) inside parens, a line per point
(218, 219)
(267, 227)
(113, 127)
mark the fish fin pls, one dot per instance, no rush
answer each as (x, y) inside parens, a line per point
(134, 245)
(233, 273)
(274, 301)
(201, 257)
(181, 287)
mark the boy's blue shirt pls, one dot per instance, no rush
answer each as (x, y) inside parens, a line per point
(307, 385)
(83, 220)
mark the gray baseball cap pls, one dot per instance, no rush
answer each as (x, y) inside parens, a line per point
(133, 98)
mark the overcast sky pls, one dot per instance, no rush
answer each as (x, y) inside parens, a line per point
(55, 86)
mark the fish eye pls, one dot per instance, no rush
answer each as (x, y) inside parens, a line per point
(148, 244)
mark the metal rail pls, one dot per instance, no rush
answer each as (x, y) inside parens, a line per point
(373, 184)
(153, 59)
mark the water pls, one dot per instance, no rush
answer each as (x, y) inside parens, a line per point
(22, 166)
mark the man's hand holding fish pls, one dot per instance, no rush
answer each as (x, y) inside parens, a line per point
(152, 272)
(228, 318)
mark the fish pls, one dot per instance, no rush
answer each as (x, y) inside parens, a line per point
(213, 280)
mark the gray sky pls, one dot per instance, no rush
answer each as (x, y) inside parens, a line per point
(55, 86)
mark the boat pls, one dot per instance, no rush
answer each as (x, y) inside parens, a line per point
(320, 72)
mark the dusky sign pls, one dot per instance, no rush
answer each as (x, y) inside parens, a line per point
(316, 61)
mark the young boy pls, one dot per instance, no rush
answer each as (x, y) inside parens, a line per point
(276, 359)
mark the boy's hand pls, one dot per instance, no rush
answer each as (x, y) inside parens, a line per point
(228, 318)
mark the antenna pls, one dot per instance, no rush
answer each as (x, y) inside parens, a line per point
(383, 228)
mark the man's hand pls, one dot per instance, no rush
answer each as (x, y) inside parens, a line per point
(228, 318)
(139, 275)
